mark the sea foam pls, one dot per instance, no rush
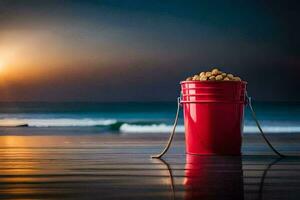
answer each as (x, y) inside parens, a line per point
(60, 122)
(163, 128)
(136, 126)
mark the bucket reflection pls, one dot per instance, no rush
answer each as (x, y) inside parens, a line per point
(213, 177)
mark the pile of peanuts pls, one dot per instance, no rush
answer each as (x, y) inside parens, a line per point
(213, 75)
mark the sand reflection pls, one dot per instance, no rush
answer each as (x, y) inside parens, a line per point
(16, 166)
(25, 162)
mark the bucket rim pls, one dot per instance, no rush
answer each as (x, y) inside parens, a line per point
(213, 101)
(213, 82)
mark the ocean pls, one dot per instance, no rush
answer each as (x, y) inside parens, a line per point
(127, 118)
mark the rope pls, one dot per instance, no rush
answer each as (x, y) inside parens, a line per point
(172, 133)
(259, 127)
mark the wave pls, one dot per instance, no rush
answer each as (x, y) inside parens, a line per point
(133, 126)
(61, 122)
(163, 128)
(153, 128)
(111, 124)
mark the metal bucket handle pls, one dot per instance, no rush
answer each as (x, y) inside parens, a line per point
(248, 101)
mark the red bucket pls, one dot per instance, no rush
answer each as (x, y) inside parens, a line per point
(213, 116)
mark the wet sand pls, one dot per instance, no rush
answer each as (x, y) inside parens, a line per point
(119, 167)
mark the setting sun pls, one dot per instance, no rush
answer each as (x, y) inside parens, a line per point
(1, 65)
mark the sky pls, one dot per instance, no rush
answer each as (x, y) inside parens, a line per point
(132, 50)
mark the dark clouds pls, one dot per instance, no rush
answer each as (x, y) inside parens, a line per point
(140, 50)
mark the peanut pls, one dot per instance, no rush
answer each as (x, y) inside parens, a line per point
(202, 74)
(208, 74)
(214, 75)
(219, 77)
(230, 76)
(196, 77)
(212, 78)
(203, 78)
(215, 72)
(237, 78)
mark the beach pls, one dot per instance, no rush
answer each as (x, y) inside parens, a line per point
(91, 91)
(111, 166)
(102, 151)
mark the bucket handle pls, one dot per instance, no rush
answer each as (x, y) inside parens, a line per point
(172, 133)
(248, 101)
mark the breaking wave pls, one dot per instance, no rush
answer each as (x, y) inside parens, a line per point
(61, 122)
(133, 126)
(163, 128)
